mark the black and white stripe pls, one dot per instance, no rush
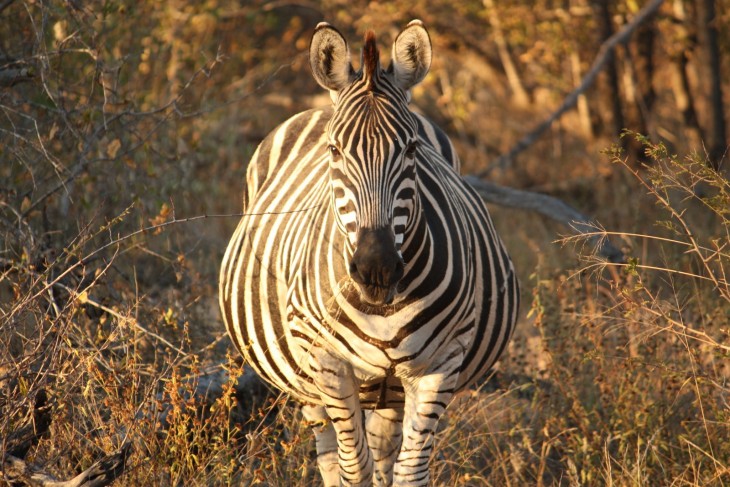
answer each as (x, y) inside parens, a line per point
(366, 274)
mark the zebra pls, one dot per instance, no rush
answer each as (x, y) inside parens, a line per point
(366, 278)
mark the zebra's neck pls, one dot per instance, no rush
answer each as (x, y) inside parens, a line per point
(417, 242)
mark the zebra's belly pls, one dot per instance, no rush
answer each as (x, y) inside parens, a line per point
(382, 350)
(383, 393)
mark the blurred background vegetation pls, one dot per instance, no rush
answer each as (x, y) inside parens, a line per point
(120, 116)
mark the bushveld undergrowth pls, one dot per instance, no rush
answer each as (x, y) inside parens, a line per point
(632, 384)
(140, 117)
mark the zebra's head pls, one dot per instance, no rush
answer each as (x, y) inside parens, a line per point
(372, 142)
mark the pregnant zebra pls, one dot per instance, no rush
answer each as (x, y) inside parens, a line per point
(366, 278)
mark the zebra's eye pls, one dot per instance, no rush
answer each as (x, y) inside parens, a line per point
(411, 150)
(335, 152)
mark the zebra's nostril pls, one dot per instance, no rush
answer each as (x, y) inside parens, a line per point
(353, 270)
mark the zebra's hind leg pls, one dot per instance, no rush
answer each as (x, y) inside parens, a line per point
(326, 440)
(385, 432)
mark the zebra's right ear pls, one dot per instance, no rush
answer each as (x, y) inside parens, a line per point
(329, 57)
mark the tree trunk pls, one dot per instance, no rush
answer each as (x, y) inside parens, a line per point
(519, 95)
(680, 80)
(712, 81)
(644, 75)
(610, 95)
(584, 114)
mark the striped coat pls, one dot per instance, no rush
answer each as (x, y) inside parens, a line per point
(366, 274)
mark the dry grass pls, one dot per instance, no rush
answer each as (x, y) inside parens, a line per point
(138, 124)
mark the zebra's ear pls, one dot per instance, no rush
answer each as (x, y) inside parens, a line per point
(411, 57)
(329, 57)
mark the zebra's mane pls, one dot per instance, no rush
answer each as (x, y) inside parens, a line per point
(370, 59)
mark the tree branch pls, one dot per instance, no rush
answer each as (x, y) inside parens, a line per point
(604, 55)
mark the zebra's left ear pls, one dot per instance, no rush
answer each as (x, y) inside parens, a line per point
(411, 57)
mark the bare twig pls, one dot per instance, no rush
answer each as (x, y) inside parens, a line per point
(695, 247)
(114, 242)
(166, 112)
(712, 253)
(84, 298)
(604, 55)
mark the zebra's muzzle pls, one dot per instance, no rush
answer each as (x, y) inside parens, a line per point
(376, 266)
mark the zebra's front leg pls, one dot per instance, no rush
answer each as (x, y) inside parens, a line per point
(324, 434)
(384, 430)
(426, 400)
(339, 391)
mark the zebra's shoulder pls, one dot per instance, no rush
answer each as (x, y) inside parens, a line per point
(432, 134)
(300, 128)
(292, 140)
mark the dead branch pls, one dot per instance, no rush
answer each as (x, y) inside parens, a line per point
(15, 470)
(27, 436)
(84, 298)
(549, 206)
(602, 58)
(5, 4)
(10, 77)
(103, 472)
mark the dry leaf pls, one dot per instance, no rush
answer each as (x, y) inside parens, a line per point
(113, 148)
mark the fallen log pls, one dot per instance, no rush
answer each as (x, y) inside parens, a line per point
(550, 207)
(103, 472)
